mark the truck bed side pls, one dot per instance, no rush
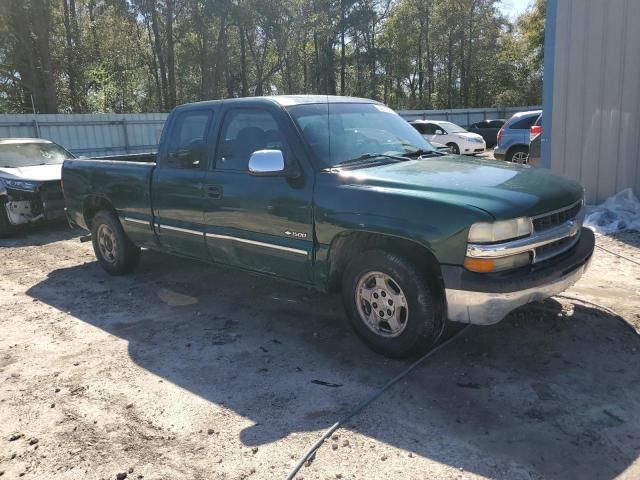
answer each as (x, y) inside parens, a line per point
(123, 186)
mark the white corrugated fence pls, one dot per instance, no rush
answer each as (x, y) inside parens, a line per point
(111, 134)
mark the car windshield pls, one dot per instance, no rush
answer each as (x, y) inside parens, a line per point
(451, 127)
(28, 154)
(339, 132)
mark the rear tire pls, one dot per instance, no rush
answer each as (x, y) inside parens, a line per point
(114, 251)
(392, 306)
(453, 148)
(518, 155)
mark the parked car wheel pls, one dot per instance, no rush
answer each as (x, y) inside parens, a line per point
(518, 155)
(114, 251)
(453, 148)
(6, 229)
(391, 305)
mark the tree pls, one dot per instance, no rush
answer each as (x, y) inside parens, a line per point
(150, 55)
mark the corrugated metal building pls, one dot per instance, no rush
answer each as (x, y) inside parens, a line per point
(591, 124)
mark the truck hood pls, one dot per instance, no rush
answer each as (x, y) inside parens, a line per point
(501, 189)
(38, 173)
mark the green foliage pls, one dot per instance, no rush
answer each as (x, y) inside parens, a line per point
(148, 55)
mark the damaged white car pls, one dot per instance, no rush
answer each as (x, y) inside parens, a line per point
(30, 187)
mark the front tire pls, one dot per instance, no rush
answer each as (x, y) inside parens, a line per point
(453, 148)
(113, 249)
(392, 306)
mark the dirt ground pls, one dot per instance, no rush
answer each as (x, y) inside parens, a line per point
(183, 371)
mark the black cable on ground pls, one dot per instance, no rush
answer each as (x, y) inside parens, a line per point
(618, 255)
(314, 448)
(603, 308)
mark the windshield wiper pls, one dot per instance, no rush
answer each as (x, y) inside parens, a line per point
(424, 153)
(369, 158)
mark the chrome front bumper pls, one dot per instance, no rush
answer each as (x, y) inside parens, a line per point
(486, 298)
(484, 308)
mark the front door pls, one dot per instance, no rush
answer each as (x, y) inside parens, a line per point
(177, 185)
(262, 223)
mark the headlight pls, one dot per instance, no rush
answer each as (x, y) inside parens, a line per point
(486, 232)
(20, 184)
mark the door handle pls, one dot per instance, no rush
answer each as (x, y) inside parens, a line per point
(213, 191)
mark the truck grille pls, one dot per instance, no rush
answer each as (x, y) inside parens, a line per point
(553, 219)
(553, 249)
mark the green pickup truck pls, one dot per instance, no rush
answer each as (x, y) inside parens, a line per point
(339, 194)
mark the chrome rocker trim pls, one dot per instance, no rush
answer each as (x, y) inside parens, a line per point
(259, 244)
(135, 220)
(177, 229)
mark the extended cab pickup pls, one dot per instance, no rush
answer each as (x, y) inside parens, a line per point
(339, 193)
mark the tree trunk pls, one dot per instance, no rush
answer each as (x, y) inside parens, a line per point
(244, 92)
(316, 69)
(203, 51)
(157, 41)
(171, 70)
(420, 65)
(449, 67)
(48, 100)
(153, 66)
(220, 66)
(342, 47)
(68, 7)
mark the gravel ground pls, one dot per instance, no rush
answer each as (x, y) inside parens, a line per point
(184, 371)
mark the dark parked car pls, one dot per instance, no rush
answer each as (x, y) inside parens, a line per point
(487, 129)
(339, 194)
(513, 137)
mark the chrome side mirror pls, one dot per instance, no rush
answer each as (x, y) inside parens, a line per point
(266, 163)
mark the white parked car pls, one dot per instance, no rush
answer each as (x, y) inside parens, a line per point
(453, 136)
(30, 185)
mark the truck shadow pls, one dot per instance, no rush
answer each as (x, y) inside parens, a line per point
(553, 392)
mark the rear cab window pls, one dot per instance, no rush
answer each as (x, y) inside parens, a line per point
(188, 139)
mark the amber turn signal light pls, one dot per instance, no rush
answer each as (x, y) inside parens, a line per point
(480, 265)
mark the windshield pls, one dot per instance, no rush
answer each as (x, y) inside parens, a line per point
(451, 127)
(338, 132)
(28, 154)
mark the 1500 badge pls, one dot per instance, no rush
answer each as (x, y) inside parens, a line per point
(295, 234)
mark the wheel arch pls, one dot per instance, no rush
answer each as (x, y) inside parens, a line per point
(513, 147)
(92, 204)
(350, 243)
(451, 142)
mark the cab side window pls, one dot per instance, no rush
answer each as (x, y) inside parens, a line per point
(187, 145)
(243, 132)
